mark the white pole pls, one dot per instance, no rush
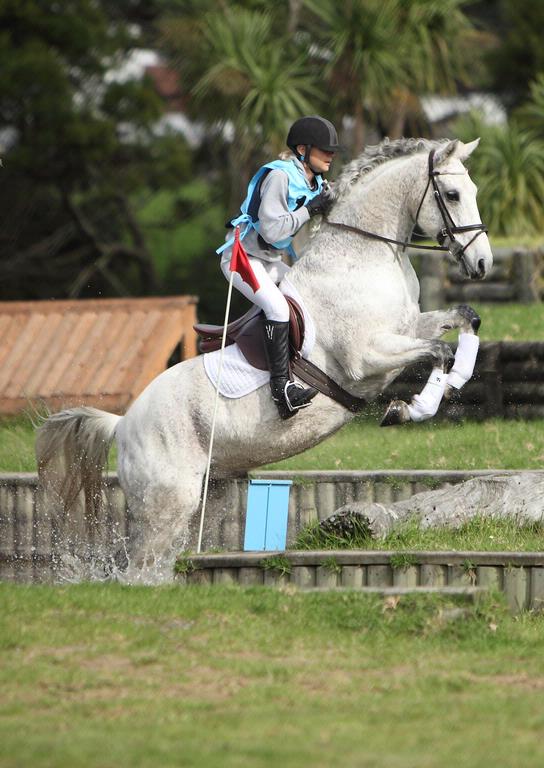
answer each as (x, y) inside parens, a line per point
(212, 434)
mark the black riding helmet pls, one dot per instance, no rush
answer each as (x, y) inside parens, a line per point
(313, 131)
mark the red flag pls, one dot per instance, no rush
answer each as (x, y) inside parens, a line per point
(239, 262)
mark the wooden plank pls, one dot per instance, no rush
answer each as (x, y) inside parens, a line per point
(516, 588)
(116, 341)
(379, 576)
(536, 593)
(406, 577)
(23, 371)
(71, 353)
(42, 354)
(353, 576)
(375, 557)
(13, 308)
(130, 374)
(163, 344)
(126, 356)
(82, 333)
(27, 329)
(94, 350)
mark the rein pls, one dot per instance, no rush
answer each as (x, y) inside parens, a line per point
(448, 231)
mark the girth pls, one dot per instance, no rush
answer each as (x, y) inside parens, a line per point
(247, 333)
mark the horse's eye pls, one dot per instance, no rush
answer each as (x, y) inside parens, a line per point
(453, 195)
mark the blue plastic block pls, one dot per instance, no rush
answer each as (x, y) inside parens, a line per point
(267, 514)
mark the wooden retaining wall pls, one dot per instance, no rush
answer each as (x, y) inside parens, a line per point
(33, 537)
(508, 382)
(520, 575)
(517, 276)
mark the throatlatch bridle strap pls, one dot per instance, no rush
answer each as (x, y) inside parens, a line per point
(448, 230)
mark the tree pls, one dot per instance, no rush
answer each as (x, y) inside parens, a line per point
(68, 226)
(359, 46)
(249, 77)
(437, 43)
(518, 57)
(509, 170)
(382, 55)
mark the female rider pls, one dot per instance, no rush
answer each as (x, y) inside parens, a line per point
(282, 196)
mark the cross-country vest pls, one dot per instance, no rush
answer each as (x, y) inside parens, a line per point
(298, 194)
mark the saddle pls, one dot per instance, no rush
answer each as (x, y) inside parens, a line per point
(247, 333)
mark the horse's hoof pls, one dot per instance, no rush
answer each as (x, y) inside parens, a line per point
(471, 316)
(396, 413)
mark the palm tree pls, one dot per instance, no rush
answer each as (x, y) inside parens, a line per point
(358, 41)
(250, 80)
(382, 55)
(509, 170)
(436, 44)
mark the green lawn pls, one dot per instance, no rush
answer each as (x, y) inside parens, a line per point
(363, 444)
(103, 676)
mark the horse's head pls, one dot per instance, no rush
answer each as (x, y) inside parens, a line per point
(449, 212)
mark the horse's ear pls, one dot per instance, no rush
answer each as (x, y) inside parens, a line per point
(446, 152)
(465, 150)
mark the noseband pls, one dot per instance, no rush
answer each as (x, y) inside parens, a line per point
(449, 230)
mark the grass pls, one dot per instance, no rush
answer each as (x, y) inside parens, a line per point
(97, 676)
(480, 534)
(363, 444)
(509, 322)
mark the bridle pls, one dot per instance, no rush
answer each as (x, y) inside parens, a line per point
(449, 230)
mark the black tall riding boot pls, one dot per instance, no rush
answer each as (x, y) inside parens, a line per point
(288, 395)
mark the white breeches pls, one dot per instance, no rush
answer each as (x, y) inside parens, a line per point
(269, 297)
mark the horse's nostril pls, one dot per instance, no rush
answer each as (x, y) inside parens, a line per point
(481, 267)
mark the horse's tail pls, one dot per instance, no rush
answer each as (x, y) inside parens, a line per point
(72, 451)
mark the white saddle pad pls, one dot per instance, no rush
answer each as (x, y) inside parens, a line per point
(238, 377)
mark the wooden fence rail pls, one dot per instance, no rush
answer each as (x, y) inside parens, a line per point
(517, 276)
(36, 541)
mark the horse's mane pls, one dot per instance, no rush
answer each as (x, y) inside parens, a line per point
(377, 154)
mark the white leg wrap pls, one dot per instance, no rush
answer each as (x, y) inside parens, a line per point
(425, 405)
(465, 360)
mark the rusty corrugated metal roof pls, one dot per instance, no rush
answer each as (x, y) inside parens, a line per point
(100, 352)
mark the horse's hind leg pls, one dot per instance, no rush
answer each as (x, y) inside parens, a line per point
(160, 523)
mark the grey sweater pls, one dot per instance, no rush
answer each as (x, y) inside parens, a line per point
(276, 221)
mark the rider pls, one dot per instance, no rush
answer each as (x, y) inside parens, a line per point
(282, 196)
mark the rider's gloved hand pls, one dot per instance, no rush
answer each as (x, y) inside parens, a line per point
(320, 204)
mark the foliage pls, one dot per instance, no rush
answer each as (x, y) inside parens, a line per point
(381, 55)
(509, 171)
(143, 676)
(248, 76)
(518, 57)
(77, 145)
(364, 445)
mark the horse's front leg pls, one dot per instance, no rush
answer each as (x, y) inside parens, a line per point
(432, 325)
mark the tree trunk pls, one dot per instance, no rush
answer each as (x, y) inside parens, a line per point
(359, 129)
(398, 121)
(518, 496)
(295, 6)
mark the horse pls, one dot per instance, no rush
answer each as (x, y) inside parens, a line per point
(357, 284)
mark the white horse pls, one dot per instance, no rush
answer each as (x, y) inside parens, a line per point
(362, 294)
